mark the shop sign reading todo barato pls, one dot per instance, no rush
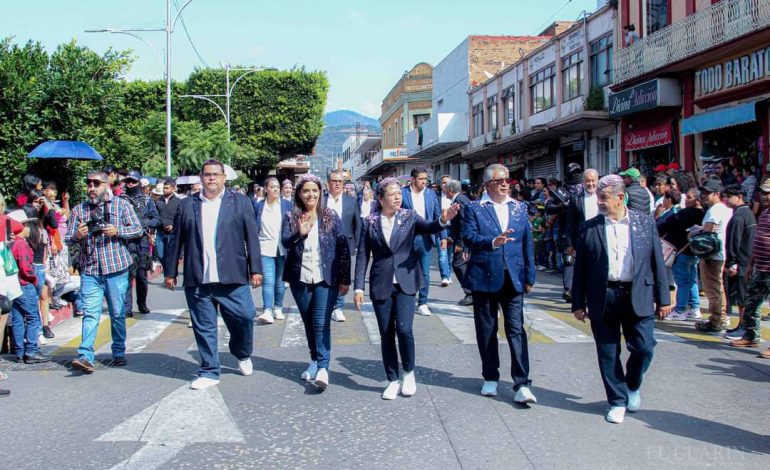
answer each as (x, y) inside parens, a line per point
(732, 73)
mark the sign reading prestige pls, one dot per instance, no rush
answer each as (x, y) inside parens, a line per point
(734, 72)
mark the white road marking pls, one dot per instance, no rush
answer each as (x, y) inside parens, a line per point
(65, 332)
(666, 337)
(183, 417)
(370, 322)
(294, 331)
(553, 328)
(458, 320)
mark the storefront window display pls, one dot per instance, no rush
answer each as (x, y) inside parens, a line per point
(740, 145)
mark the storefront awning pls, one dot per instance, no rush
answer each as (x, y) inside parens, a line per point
(648, 137)
(719, 119)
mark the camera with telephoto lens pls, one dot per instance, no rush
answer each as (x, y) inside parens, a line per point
(96, 223)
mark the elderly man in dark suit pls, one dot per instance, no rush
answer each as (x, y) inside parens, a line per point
(619, 273)
(501, 269)
(217, 234)
(349, 212)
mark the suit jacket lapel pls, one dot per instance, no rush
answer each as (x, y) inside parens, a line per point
(489, 206)
(198, 219)
(377, 227)
(395, 233)
(602, 232)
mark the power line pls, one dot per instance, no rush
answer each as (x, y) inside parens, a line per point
(187, 33)
(545, 23)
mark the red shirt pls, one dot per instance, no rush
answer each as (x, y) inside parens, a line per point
(23, 255)
(16, 227)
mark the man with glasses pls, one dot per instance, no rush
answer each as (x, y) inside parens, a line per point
(501, 269)
(102, 226)
(217, 235)
(349, 213)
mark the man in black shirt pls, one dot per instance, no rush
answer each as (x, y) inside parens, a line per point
(168, 204)
(740, 240)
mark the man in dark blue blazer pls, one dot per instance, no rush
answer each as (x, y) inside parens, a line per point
(501, 269)
(216, 233)
(349, 212)
(425, 202)
(620, 280)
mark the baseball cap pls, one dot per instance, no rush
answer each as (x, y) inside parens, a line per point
(712, 185)
(134, 175)
(573, 168)
(660, 168)
(632, 173)
(144, 182)
(20, 216)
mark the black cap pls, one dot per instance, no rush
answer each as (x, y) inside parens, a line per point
(134, 175)
(712, 185)
(573, 168)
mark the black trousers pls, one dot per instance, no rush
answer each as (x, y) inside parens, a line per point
(485, 307)
(640, 342)
(137, 274)
(459, 266)
(395, 317)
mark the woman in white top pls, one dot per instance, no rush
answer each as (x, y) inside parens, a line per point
(317, 270)
(270, 213)
(368, 204)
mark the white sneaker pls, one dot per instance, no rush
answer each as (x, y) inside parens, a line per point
(391, 391)
(616, 414)
(676, 316)
(445, 282)
(310, 372)
(266, 318)
(189, 324)
(694, 314)
(408, 384)
(423, 310)
(337, 315)
(202, 383)
(41, 340)
(322, 379)
(246, 367)
(278, 314)
(489, 389)
(634, 401)
(524, 396)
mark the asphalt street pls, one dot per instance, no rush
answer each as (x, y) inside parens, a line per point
(703, 403)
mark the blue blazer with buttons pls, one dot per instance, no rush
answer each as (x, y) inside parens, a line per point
(486, 265)
(335, 250)
(432, 212)
(396, 258)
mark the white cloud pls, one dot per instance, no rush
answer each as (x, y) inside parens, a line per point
(370, 109)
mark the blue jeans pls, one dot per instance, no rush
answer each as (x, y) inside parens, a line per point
(40, 273)
(685, 271)
(74, 297)
(25, 321)
(272, 291)
(315, 303)
(237, 309)
(160, 245)
(395, 317)
(94, 289)
(444, 263)
(423, 254)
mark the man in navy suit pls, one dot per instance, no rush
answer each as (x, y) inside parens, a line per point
(619, 272)
(501, 269)
(217, 234)
(349, 212)
(424, 201)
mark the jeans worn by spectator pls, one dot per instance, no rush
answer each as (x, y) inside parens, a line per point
(711, 274)
(315, 303)
(25, 321)
(444, 262)
(94, 289)
(759, 289)
(685, 270)
(273, 287)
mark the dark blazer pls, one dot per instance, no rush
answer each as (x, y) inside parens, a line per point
(335, 249)
(455, 231)
(432, 211)
(167, 210)
(589, 284)
(739, 239)
(237, 242)
(397, 259)
(486, 266)
(260, 206)
(576, 215)
(351, 220)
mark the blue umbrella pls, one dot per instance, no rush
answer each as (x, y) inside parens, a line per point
(67, 149)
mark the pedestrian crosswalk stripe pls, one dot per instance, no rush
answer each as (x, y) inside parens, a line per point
(103, 336)
(458, 320)
(146, 330)
(370, 322)
(294, 331)
(553, 328)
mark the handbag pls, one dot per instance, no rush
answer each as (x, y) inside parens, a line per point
(705, 244)
(669, 252)
(6, 258)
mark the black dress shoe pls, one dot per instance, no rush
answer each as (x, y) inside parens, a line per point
(466, 301)
(4, 392)
(19, 359)
(36, 358)
(144, 310)
(119, 361)
(84, 365)
(47, 332)
(567, 296)
(129, 314)
(78, 314)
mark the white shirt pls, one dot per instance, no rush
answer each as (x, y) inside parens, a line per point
(335, 204)
(591, 205)
(501, 209)
(719, 215)
(445, 202)
(388, 223)
(366, 208)
(209, 222)
(270, 230)
(621, 259)
(311, 258)
(418, 202)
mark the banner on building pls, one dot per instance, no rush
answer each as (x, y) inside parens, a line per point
(648, 137)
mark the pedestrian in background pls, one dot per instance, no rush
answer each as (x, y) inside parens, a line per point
(167, 205)
(317, 270)
(740, 240)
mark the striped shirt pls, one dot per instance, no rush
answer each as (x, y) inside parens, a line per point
(101, 255)
(762, 243)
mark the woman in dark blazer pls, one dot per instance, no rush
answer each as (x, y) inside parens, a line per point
(395, 278)
(317, 270)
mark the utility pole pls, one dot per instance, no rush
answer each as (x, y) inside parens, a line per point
(168, 29)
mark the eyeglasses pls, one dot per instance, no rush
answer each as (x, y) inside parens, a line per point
(211, 175)
(337, 181)
(498, 181)
(94, 183)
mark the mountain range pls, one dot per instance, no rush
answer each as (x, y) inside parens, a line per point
(341, 124)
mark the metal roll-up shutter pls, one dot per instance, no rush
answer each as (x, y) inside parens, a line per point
(544, 165)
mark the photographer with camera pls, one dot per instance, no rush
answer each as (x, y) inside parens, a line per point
(101, 226)
(139, 247)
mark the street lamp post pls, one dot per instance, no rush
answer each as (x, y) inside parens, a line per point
(168, 29)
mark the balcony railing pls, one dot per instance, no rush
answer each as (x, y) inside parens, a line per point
(710, 27)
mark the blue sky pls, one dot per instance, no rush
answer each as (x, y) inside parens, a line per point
(363, 45)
